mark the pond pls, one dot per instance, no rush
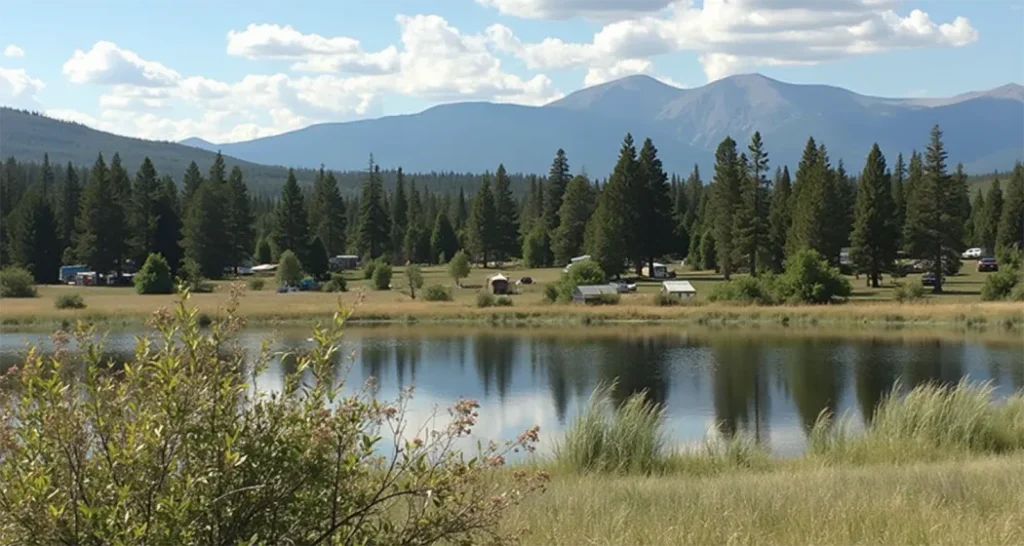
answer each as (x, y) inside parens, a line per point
(769, 384)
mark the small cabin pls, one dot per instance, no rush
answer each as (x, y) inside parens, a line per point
(498, 284)
(592, 292)
(681, 290)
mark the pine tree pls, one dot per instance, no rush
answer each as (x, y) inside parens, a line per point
(98, 231)
(725, 199)
(239, 231)
(34, 244)
(935, 227)
(374, 236)
(291, 231)
(972, 237)
(264, 254)
(654, 215)
(578, 205)
(779, 219)
(168, 224)
(203, 229)
(190, 184)
(915, 175)
(558, 179)
(899, 198)
(46, 178)
(844, 199)
(1010, 234)
(399, 218)
(874, 230)
(417, 234)
(327, 218)
(68, 194)
(122, 188)
(143, 213)
(750, 219)
(506, 216)
(604, 241)
(987, 226)
(218, 171)
(481, 231)
(443, 242)
(317, 261)
(809, 204)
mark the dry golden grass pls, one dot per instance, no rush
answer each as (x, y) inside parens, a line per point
(978, 502)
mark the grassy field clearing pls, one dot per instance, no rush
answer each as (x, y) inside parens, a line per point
(121, 306)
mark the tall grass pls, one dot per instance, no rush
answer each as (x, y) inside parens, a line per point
(628, 439)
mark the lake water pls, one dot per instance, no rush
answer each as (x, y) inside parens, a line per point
(771, 384)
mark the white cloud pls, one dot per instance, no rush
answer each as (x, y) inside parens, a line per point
(18, 89)
(108, 64)
(313, 52)
(564, 9)
(735, 35)
(13, 51)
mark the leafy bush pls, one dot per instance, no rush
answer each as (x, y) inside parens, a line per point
(580, 274)
(382, 276)
(368, 267)
(662, 299)
(256, 284)
(192, 277)
(69, 301)
(503, 301)
(289, 269)
(16, 282)
(154, 277)
(604, 299)
(1018, 292)
(458, 268)
(202, 448)
(414, 277)
(909, 291)
(337, 283)
(1000, 285)
(809, 279)
(753, 290)
(436, 292)
(551, 292)
(484, 299)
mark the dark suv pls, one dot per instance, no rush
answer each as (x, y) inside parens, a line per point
(987, 264)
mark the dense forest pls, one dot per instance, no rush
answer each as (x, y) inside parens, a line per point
(748, 217)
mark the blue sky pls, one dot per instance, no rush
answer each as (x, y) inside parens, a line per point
(230, 71)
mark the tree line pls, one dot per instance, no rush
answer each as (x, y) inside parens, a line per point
(748, 217)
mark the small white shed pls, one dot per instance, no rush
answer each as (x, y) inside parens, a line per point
(679, 289)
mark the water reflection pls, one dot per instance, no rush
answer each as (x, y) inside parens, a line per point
(771, 387)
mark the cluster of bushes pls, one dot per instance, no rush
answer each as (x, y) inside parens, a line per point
(1005, 284)
(436, 292)
(16, 282)
(909, 291)
(604, 299)
(808, 278)
(486, 299)
(69, 301)
(337, 283)
(583, 273)
(379, 273)
(256, 284)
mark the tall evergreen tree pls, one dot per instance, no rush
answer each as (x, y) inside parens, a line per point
(68, 194)
(654, 215)
(122, 187)
(809, 204)
(844, 199)
(291, 231)
(558, 179)
(327, 218)
(47, 178)
(750, 219)
(506, 216)
(190, 184)
(481, 231)
(779, 219)
(606, 238)
(399, 218)
(443, 242)
(98, 230)
(991, 212)
(725, 198)
(168, 224)
(578, 205)
(1010, 234)
(417, 234)
(874, 230)
(34, 243)
(143, 213)
(239, 229)
(915, 175)
(935, 227)
(374, 235)
(203, 231)
(899, 198)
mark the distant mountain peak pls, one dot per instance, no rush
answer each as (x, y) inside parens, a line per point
(200, 143)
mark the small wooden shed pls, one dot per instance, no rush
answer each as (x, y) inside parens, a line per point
(590, 292)
(498, 284)
(682, 290)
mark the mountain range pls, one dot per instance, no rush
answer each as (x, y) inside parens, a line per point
(984, 130)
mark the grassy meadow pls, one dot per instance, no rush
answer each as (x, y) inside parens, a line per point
(114, 307)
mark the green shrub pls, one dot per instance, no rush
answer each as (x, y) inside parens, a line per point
(586, 272)
(414, 278)
(337, 283)
(69, 301)
(484, 299)
(752, 290)
(909, 291)
(809, 279)
(154, 277)
(16, 282)
(458, 268)
(1000, 285)
(289, 269)
(368, 267)
(256, 284)
(661, 299)
(503, 301)
(213, 451)
(1018, 292)
(382, 276)
(604, 299)
(551, 292)
(436, 292)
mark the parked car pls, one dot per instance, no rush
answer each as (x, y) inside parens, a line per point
(972, 254)
(928, 279)
(525, 280)
(624, 286)
(987, 264)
